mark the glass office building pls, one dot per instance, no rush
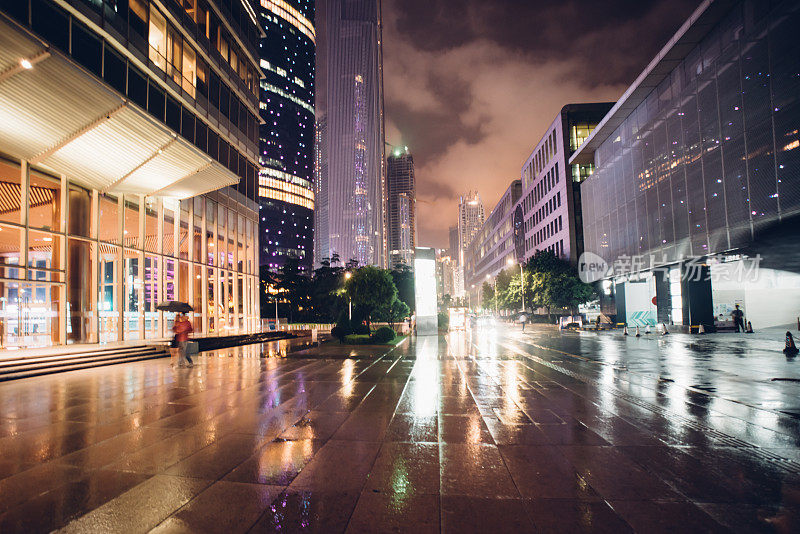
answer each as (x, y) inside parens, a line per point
(128, 150)
(699, 162)
(286, 182)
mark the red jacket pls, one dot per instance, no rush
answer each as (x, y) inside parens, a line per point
(182, 330)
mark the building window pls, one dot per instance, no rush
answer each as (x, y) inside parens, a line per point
(158, 39)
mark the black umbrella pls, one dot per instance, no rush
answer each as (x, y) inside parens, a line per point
(174, 306)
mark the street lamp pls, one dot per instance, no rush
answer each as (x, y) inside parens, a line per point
(511, 262)
(469, 297)
(347, 276)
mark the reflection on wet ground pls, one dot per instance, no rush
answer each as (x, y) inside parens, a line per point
(489, 431)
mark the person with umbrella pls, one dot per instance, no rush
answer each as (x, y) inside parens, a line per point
(181, 328)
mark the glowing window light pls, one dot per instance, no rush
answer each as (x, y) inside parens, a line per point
(292, 16)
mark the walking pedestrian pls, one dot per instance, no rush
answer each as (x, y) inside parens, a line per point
(182, 329)
(738, 319)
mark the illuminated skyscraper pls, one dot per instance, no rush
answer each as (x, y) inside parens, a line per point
(470, 221)
(286, 189)
(402, 200)
(321, 250)
(356, 187)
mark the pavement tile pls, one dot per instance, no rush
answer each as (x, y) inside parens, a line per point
(462, 514)
(140, 508)
(616, 477)
(575, 516)
(55, 508)
(28, 484)
(308, 511)
(224, 507)
(364, 426)
(543, 472)
(666, 517)
(395, 512)
(463, 429)
(476, 470)
(411, 428)
(504, 434)
(405, 469)
(160, 456)
(277, 463)
(340, 466)
(219, 458)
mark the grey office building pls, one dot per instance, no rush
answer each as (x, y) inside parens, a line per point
(356, 187)
(402, 201)
(696, 187)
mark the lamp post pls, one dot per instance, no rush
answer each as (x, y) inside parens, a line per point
(347, 276)
(469, 297)
(511, 262)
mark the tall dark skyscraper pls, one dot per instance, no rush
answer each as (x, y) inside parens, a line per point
(402, 202)
(286, 190)
(356, 187)
(321, 216)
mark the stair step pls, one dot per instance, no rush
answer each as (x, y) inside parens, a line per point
(24, 366)
(77, 366)
(75, 355)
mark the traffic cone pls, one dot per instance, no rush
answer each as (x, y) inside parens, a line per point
(701, 329)
(637, 332)
(665, 331)
(749, 328)
(625, 330)
(647, 329)
(790, 349)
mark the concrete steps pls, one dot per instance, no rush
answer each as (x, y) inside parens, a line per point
(15, 368)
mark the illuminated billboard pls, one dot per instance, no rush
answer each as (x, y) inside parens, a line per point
(425, 291)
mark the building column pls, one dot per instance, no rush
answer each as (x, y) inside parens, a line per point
(78, 264)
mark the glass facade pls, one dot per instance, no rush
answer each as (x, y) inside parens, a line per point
(80, 266)
(286, 182)
(189, 75)
(712, 155)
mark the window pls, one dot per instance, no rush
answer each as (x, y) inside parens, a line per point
(189, 70)
(222, 44)
(175, 56)
(158, 39)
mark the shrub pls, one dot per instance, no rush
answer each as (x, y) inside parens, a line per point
(344, 323)
(361, 330)
(339, 333)
(384, 334)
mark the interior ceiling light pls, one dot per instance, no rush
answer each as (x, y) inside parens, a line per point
(26, 64)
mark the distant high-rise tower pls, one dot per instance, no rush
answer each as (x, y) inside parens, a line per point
(356, 186)
(286, 190)
(470, 220)
(321, 250)
(453, 240)
(402, 200)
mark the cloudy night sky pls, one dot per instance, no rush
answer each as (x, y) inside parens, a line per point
(471, 85)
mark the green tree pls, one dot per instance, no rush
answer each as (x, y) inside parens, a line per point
(503, 297)
(515, 287)
(403, 278)
(545, 261)
(369, 288)
(565, 290)
(487, 296)
(393, 313)
(445, 301)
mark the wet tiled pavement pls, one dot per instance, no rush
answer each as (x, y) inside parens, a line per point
(495, 431)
